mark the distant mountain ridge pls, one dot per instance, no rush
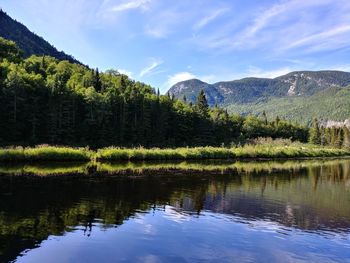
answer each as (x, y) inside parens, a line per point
(27, 41)
(284, 96)
(246, 90)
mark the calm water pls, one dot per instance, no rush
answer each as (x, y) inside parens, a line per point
(205, 212)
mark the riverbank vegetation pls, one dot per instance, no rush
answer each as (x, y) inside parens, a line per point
(261, 148)
(47, 101)
(248, 151)
(44, 153)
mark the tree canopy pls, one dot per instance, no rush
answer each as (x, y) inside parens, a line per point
(45, 100)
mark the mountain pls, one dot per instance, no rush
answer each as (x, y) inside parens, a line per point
(27, 41)
(299, 95)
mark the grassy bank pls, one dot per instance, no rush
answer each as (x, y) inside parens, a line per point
(266, 150)
(201, 153)
(45, 153)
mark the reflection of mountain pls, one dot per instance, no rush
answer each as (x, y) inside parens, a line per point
(307, 198)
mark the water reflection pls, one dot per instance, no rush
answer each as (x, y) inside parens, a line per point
(311, 198)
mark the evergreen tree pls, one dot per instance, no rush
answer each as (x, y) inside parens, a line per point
(97, 81)
(43, 100)
(202, 104)
(264, 117)
(334, 135)
(346, 141)
(314, 134)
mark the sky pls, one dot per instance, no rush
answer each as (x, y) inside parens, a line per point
(162, 42)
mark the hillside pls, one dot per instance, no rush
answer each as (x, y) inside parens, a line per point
(47, 101)
(27, 41)
(298, 96)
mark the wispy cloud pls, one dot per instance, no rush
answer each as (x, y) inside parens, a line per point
(320, 38)
(317, 24)
(209, 18)
(149, 69)
(131, 4)
(164, 20)
(185, 75)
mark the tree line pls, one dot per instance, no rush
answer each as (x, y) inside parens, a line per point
(329, 136)
(44, 100)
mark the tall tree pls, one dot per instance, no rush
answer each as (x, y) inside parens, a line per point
(202, 104)
(315, 135)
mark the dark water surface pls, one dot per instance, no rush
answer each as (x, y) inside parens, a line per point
(182, 212)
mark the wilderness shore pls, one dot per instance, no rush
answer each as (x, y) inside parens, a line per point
(266, 151)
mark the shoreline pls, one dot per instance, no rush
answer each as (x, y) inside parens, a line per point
(96, 169)
(295, 151)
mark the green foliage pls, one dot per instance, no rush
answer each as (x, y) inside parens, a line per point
(338, 137)
(47, 101)
(202, 104)
(268, 149)
(315, 135)
(9, 50)
(45, 153)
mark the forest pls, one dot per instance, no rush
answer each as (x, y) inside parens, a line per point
(47, 101)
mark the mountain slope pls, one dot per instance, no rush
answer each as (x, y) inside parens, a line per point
(247, 90)
(191, 88)
(30, 43)
(330, 104)
(299, 95)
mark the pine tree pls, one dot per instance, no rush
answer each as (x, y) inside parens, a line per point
(277, 121)
(97, 81)
(333, 136)
(314, 134)
(264, 117)
(339, 138)
(202, 105)
(346, 140)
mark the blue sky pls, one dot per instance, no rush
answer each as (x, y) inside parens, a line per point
(161, 42)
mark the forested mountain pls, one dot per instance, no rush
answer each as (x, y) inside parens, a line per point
(45, 100)
(297, 96)
(27, 41)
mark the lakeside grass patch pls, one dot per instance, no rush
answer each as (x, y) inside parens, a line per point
(45, 153)
(294, 150)
(267, 150)
(196, 153)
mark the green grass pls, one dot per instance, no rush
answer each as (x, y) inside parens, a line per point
(294, 150)
(266, 149)
(45, 153)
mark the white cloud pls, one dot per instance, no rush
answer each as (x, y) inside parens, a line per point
(180, 76)
(156, 31)
(153, 64)
(131, 4)
(209, 18)
(125, 72)
(315, 24)
(185, 75)
(259, 73)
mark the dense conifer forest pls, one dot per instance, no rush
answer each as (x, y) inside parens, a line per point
(44, 100)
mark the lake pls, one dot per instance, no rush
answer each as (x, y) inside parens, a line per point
(263, 211)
